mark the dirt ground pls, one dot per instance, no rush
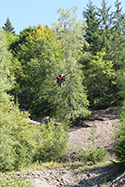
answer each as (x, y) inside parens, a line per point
(105, 122)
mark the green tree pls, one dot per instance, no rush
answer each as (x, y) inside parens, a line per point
(105, 22)
(8, 26)
(53, 144)
(33, 50)
(6, 78)
(70, 101)
(92, 29)
(16, 138)
(118, 37)
(100, 79)
(110, 28)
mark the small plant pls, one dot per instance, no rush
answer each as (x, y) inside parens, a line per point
(119, 137)
(119, 148)
(93, 136)
(53, 143)
(94, 153)
(14, 181)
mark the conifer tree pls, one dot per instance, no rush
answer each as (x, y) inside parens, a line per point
(111, 37)
(71, 100)
(92, 32)
(105, 24)
(118, 37)
(8, 26)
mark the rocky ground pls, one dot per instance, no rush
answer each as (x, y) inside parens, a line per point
(104, 121)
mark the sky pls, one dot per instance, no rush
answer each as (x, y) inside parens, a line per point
(25, 13)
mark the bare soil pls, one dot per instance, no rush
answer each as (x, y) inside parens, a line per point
(105, 122)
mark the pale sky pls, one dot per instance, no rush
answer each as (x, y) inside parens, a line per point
(25, 13)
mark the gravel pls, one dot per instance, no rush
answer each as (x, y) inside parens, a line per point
(104, 122)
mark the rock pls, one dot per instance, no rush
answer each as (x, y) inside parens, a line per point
(35, 122)
(104, 115)
(45, 120)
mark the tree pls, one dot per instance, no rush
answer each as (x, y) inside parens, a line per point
(70, 101)
(110, 30)
(118, 37)
(100, 78)
(92, 30)
(6, 78)
(34, 51)
(15, 135)
(8, 26)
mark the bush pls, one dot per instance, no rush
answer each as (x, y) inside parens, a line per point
(7, 153)
(17, 139)
(119, 137)
(119, 148)
(93, 154)
(53, 143)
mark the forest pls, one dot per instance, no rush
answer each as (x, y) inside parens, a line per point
(92, 49)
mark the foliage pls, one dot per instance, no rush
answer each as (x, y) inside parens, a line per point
(8, 26)
(34, 51)
(118, 37)
(40, 50)
(105, 29)
(92, 29)
(94, 153)
(119, 138)
(52, 143)
(14, 181)
(100, 77)
(17, 141)
(71, 100)
(6, 77)
(10, 38)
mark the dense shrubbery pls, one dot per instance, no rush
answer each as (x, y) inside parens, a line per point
(22, 143)
(17, 140)
(52, 143)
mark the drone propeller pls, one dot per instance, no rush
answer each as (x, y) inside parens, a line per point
(68, 73)
(53, 72)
